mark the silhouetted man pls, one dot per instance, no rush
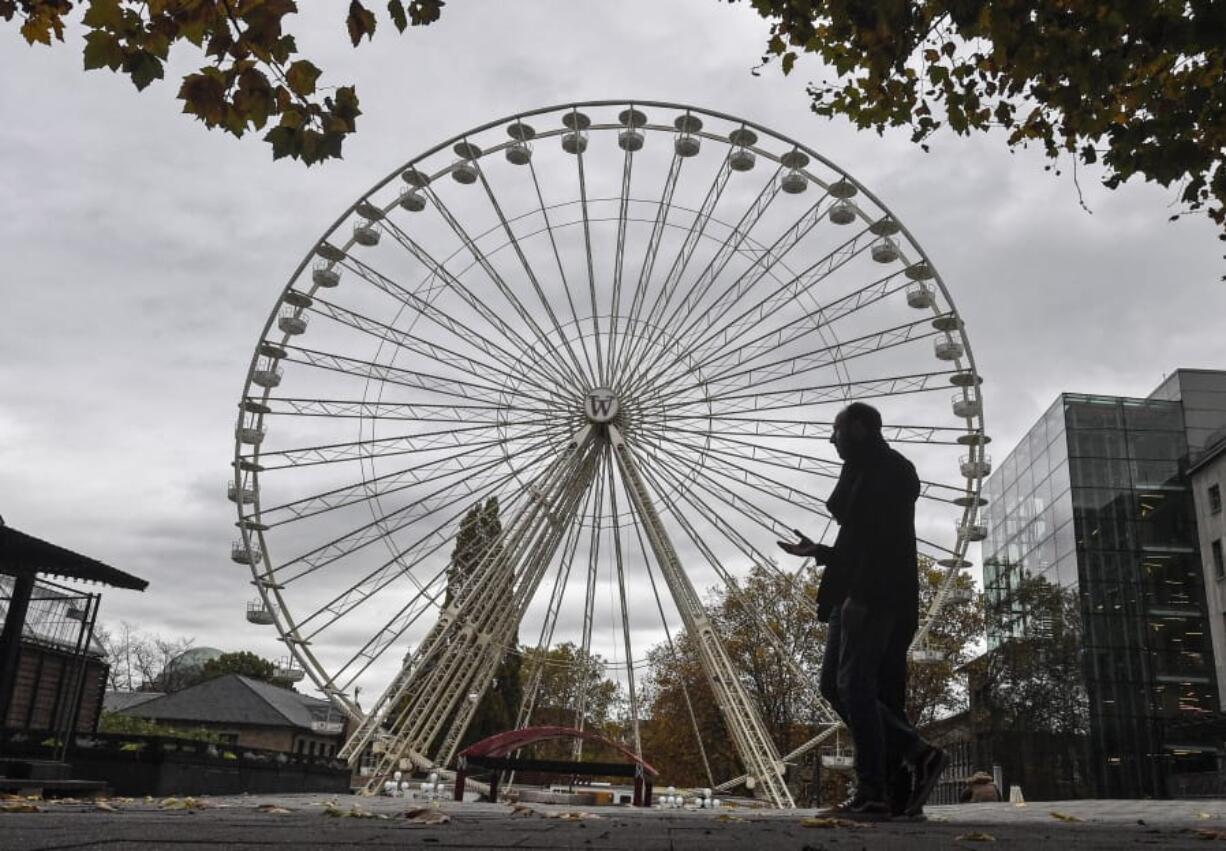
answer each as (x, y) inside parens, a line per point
(869, 596)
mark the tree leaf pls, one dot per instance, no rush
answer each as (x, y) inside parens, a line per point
(102, 50)
(143, 68)
(301, 77)
(103, 14)
(360, 22)
(395, 8)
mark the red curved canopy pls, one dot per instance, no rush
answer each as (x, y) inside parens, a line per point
(501, 744)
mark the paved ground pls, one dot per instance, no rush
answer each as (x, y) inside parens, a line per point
(302, 822)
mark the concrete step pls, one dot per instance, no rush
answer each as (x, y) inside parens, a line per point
(35, 769)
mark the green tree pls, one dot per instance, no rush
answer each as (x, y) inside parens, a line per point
(566, 676)
(243, 662)
(476, 543)
(1032, 679)
(785, 694)
(1139, 87)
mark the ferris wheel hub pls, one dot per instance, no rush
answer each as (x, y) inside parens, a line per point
(601, 405)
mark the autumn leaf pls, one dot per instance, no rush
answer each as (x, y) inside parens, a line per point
(102, 50)
(361, 22)
(104, 14)
(395, 8)
(301, 77)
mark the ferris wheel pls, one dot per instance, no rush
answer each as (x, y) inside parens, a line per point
(631, 323)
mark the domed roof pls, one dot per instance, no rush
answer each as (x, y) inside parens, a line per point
(193, 659)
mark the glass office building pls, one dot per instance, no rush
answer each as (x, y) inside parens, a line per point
(1098, 648)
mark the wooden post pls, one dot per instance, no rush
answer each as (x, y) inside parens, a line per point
(460, 771)
(10, 639)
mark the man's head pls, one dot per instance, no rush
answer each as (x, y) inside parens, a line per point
(855, 427)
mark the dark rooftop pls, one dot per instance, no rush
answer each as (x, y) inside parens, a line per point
(235, 699)
(22, 553)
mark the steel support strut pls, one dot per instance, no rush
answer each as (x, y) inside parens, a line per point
(753, 744)
(457, 658)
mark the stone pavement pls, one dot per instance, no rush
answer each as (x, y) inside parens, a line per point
(303, 822)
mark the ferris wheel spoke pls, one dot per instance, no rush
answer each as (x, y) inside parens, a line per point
(685, 254)
(480, 369)
(824, 316)
(812, 361)
(402, 377)
(589, 599)
(734, 588)
(625, 612)
(392, 631)
(528, 270)
(557, 256)
(746, 476)
(401, 566)
(473, 466)
(699, 477)
(536, 667)
(812, 430)
(556, 361)
(776, 339)
(766, 259)
(643, 283)
(647, 562)
(405, 444)
(421, 303)
(804, 397)
(619, 260)
(746, 452)
(708, 336)
(360, 409)
(368, 533)
(591, 268)
(731, 246)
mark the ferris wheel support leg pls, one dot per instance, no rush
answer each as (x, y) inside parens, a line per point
(459, 656)
(749, 735)
(792, 755)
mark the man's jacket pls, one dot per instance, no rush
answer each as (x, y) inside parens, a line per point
(874, 559)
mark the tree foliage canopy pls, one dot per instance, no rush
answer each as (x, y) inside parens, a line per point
(1136, 85)
(785, 695)
(253, 73)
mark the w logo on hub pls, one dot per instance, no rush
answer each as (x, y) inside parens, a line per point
(601, 405)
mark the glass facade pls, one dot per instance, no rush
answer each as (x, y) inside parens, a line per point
(1094, 589)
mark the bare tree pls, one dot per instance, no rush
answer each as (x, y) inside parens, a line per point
(137, 658)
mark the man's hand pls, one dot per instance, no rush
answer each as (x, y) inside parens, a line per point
(806, 548)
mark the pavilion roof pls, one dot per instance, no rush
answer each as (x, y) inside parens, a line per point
(23, 553)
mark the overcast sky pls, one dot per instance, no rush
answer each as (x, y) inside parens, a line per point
(142, 255)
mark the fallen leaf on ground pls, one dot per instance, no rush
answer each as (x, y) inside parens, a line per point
(103, 806)
(1064, 816)
(728, 817)
(1020, 804)
(572, 816)
(833, 822)
(66, 801)
(975, 836)
(20, 807)
(1205, 833)
(520, 811)
(1203, 816)
(274, 809)
(425, 815)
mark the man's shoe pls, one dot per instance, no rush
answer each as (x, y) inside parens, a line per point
(927, 772)
(858, 806)
(898, 790)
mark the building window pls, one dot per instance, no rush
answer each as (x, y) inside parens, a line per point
(1219, 567)
(1215, 499)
